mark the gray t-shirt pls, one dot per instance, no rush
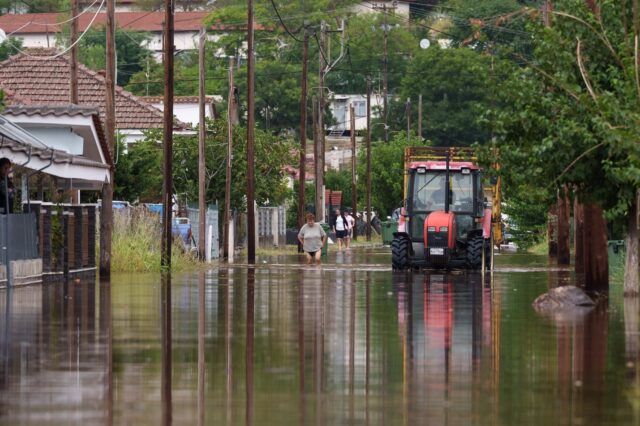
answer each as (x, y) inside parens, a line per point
(312, 237)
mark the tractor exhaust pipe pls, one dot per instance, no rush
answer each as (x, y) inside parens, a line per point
(446, 183)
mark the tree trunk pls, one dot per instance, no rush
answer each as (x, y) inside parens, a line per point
(578, 235)
(595, 249)
(564, 253)
(552, 234)
(632, 260)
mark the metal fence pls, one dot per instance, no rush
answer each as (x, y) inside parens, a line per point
(212, 239)
(22, 241)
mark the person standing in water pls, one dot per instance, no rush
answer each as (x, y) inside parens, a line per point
(342, 229)
(312, 237)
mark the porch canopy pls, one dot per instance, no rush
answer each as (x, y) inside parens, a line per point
(26, 150)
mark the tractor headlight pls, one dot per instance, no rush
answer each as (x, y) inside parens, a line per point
(431, 229)
(444, 229)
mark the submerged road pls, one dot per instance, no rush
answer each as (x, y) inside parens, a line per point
(349, 342)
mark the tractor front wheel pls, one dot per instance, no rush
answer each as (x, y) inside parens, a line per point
(474, 253)
(400, 253)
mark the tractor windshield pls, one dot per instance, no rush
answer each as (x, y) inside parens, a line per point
(429, 191)
(461, 192)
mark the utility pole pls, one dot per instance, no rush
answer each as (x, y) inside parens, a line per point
(354, 195)
(314, 120)
(368, 160)
(408, 108)
(385, 80)
(320, 216)
(201, 155)
(73, 69)
(231, 113)
(106, 219)
(420, 117)
(547, 8)
(251, 220)
(303, 130)
(167, 181)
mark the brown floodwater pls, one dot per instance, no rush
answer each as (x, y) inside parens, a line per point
(348, 343)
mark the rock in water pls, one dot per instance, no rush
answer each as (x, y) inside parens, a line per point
(563, 297)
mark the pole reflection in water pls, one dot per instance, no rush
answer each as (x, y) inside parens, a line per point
(165, 315)
(249, 348)
(632, 352)
(6, 339)
(352, 342)
(367, 341)
(106, 331)
(225, 309)
(201, 360)
(301, 351)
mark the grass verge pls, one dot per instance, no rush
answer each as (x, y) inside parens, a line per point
(136, 244)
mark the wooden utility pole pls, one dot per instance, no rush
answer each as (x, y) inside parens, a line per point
(303, 130)
(73, 68)
(384, 83)
(408, 118)
(547, 8)
(106, 214)
(354, 195)
(316, 161)
(420, 117)
(320, 216)
(368, 160)
(231, 113)
(201, 155)
(167, 181)
(251, 220)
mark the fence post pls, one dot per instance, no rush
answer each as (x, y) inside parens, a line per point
(91, 235)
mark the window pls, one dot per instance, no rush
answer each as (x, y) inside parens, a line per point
(360, 108)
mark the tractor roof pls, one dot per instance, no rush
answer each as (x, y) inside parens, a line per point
(442, 165)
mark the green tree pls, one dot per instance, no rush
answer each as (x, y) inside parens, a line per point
(137, 173)
(132, 55)
(457, 87)
(10, 47)
(387, 171)
(574, 114)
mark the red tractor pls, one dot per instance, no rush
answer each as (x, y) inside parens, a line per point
(450, 218)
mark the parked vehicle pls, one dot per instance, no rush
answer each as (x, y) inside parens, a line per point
(451, 216)
(181, 226)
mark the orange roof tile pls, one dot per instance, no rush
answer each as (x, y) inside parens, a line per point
(30, 23)
(35, 77)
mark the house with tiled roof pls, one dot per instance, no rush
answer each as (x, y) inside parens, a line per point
(42, 76)
(187, 108)
(42, 29)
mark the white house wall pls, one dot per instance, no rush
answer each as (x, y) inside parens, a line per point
(400, 8)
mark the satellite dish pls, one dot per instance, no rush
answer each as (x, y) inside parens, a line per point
(424, 43)
(3, 35)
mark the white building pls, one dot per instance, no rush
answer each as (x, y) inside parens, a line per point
(340, 109)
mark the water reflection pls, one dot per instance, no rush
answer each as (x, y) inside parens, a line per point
(165, 315)
(332, 345)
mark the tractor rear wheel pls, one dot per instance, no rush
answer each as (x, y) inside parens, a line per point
(474, 253)
(400, 253)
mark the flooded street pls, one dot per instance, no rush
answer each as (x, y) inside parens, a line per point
(350, 342)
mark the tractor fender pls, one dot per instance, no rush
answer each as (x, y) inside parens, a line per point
(486, 224)
(405, 236)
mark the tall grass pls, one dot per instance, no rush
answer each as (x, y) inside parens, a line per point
(136, 244)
